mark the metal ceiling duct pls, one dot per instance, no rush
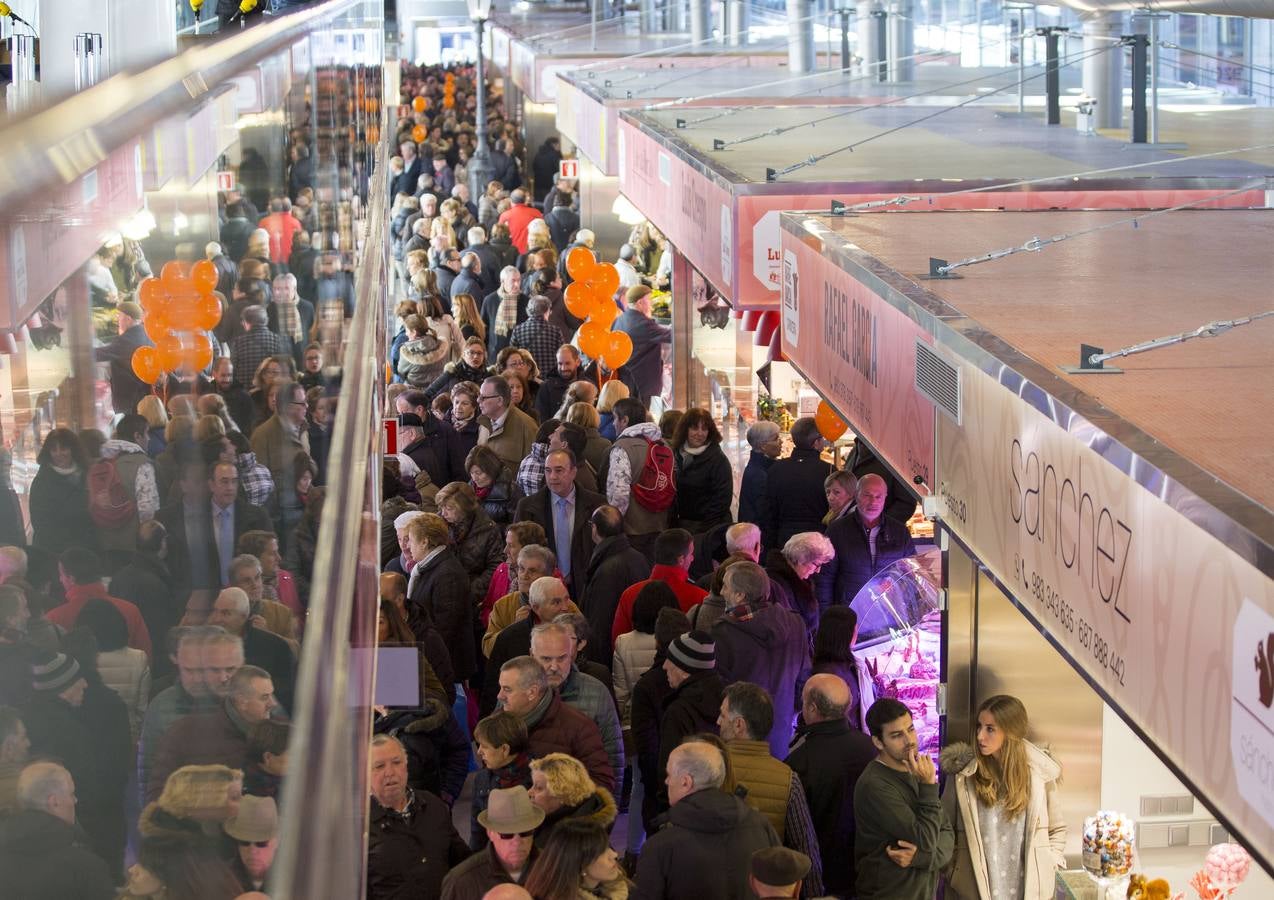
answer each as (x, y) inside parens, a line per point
(1254, 9)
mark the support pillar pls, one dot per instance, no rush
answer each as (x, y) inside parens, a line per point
(700, 21)
(800, 37)
(1140, 78)
(1103, 74)
(1052, 75)
(738, 20)
(902, 41)
(866, 27)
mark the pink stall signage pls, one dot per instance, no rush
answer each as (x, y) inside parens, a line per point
(692, 209)
(859, 352)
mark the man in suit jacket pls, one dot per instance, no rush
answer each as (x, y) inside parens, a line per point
(197, 558)
(508, 431)
(645, 366)
(563, 510)
(126, 388)
(278, 440)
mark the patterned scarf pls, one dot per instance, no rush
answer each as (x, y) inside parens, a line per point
(507, 317)
(289, 319)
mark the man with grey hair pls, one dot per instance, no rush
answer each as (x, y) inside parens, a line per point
(865, 542)
(704, 850)
(552, 725)
(256, 344)
(762, 643)
(43, 852)
(794, 499)
(766, 442)
(219, 735)
(503, 310)
(537, 335)
(474, 278)
(232, 610)
(743, 541)
(291, 316)
(490, 260)
(246, 574)
(531, 563)
(546, 599)
(628, 274)
(553, 647)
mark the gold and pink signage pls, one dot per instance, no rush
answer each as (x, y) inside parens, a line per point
(1167, 621)
(860, 353)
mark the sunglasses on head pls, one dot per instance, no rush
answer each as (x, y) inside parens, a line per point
(259, 844)
(520, 834)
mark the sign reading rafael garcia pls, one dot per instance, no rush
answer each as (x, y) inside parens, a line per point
(860, 353)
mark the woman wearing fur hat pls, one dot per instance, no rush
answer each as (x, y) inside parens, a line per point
(1003, 802)
(560, 786)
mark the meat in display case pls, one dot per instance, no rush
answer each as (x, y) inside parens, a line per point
(899, 644)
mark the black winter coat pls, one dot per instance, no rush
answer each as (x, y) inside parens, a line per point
(704, 851)
(752, 487)
(705, 487)
(147, 584)
(479, 545)
(829, 757)
(454, 373)
(613, 568)
(442, 588)
(501, 502)
(44, 858)
(852, 566)
(794, 497)
(437, 750)
(790, 592)
(59, 512)
(408, 858)
(646, 703)
(688, 710)
(438, 453)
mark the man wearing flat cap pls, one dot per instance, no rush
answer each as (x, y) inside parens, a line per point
(126, 388)
(776, 873)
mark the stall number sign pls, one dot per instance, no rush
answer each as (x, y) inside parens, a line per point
(568, 168)
(391, 436)
(225, 181)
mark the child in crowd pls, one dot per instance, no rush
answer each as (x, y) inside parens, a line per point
(503, 749)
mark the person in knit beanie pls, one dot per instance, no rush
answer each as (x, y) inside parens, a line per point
(696, 695)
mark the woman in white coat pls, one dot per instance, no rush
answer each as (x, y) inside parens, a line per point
(1002, 799)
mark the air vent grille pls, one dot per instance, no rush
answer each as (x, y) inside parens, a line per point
(938, 380)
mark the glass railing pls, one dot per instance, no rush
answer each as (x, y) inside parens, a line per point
(115, 199)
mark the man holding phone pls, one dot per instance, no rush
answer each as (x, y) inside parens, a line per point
(903, 839)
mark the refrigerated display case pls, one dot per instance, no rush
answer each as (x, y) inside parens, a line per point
(899, 647)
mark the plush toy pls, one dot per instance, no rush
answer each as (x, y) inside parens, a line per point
(1141, 888)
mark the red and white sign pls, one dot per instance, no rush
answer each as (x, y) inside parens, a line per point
(391, 436)
(859, 351)
(225, 181)
(568, 168)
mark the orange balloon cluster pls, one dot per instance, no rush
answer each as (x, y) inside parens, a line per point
(449, 91)
(830, 425)
(591, 296)
(179, 307)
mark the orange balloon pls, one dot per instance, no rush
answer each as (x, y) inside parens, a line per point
(207, 312)
(594, 339)
(830, 425)
(448, 101)
(146, 365)
(604, 279)
(150, 293)
(619, 351)
(169, 350)
(579, 263)
(204, 275)
(418, 134)
(604, 312)
(181, 308)
(579, 300)
(418, 104)
(198, 352)
(173, 274)
(156, 325)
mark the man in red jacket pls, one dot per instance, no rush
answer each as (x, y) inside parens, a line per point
(80, 572)
(674, 552)
(519, 217)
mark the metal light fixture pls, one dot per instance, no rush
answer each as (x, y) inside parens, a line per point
(480, 168)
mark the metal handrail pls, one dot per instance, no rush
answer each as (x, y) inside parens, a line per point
(60, 142)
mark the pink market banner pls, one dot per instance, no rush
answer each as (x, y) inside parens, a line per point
(589, 124)
(692, 209)
(859, 352)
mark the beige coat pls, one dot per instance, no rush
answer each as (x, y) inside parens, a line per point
(126, 671)
(1046, 832)
(634, 654)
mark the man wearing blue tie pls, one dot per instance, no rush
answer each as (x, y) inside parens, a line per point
(562, 509)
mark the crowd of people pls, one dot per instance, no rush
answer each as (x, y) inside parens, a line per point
(597, 623)
(634, 685)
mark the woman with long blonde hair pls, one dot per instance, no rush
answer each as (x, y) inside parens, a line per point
(465, 310)
(1002, 801)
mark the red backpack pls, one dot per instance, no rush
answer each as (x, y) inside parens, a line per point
(109, 502)
(656, 488)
